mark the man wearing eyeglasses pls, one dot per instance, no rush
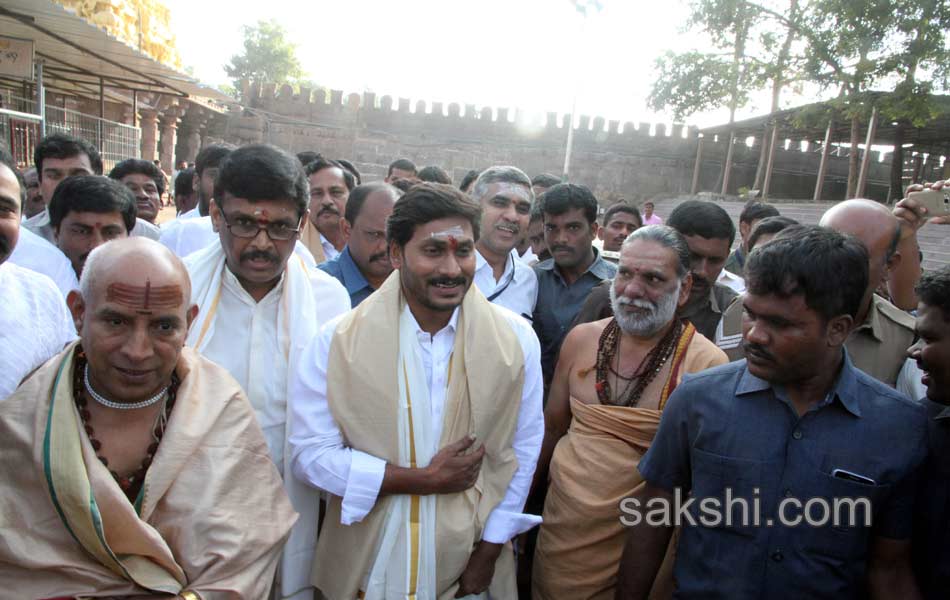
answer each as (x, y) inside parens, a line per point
(259, 305)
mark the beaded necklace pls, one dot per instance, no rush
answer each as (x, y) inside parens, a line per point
(131, 484)
(608, 351)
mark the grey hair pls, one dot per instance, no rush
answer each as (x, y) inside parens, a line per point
(667, 237)
(501, 174)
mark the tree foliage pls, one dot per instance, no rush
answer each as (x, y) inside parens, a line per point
(268, 56)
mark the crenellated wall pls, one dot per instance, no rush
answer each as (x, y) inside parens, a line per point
(616, 160)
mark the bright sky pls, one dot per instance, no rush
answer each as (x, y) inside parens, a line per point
(530, 54)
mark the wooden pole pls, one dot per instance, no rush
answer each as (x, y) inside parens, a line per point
(770, 163)
(823, 165)
(694, 189)
(866, 160)
(727, 167)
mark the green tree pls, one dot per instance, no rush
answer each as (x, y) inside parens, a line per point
(268, 57)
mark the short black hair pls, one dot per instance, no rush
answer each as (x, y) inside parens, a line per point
(354, 205)
(702, 218)
(769, 226)
(211, 157)
(60, 145)
(426, 202)
(755, 210)
(622, 207)
(324, 163)
(469, 178)
(545, 180)
(263, 172)
(7, 160)
(92, 193)
(352, 169)
(933, 289)
(828, 268)
(403, 164)
(434, 174)
(141, 167)
(185, 182)
(569, 196)
(308, 156)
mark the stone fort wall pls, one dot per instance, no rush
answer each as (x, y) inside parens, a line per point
(616, 160)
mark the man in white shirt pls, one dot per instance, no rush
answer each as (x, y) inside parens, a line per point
(34, 323)
(425, 432)
(505, 196)
(34, 253)
(57, 157)
(259, 305)
(330, 187)
(87, 211)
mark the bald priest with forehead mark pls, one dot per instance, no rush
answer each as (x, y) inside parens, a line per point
(141, 469)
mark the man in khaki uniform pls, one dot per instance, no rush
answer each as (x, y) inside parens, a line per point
(879, 345)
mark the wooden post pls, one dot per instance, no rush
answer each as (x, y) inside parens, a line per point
(694, 189)
(135, 108)
(823, 165)
(770, 163)
(866, 160)
(727, 167)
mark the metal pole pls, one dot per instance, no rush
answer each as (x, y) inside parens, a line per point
(866, 160)
(570, 141)
(823, 165)
(770, 163)
(102, 111)
(727, 167)
(41, 97)
(699, 157)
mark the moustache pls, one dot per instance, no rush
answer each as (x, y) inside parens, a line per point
(560, 248)
(256, 254)
(637, 303)
(448, 281)
(381, 257)
(329, 209)
(757, 350)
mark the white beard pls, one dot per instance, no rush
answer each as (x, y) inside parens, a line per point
(660, 315)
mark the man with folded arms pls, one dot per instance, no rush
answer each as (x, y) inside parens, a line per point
(137, 467)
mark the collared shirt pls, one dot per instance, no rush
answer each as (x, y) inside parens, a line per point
(879, 346)
(931, 546)
(653, 219)
(35, 324)
(735, 264)
(246, 343)
(706, 313)
(528, 258)
(322, 460)
(190, 214)
(517, 290)
(329, 250)
(345, 269)
(732, 281)
(728, 434)
(558, 304)
(35, 253)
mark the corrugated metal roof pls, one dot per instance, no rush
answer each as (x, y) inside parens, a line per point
(56, 33)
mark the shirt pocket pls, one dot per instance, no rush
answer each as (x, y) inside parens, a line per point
(727, 492)
(846, 509)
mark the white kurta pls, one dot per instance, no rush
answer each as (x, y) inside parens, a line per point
(321, 459)
(36, 254)
(517, 290)
(35, 324)
(257, 343)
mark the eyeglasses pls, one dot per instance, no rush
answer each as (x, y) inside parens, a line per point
(246, 228)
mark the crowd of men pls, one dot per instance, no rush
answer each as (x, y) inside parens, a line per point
(306, 386)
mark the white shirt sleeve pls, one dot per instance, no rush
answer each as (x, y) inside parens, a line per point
(319, 457)
(508, 519)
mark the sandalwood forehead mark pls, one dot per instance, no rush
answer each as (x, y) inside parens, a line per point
(450, 235)
(145, 298)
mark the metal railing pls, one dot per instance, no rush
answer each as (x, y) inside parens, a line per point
(20, 128)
